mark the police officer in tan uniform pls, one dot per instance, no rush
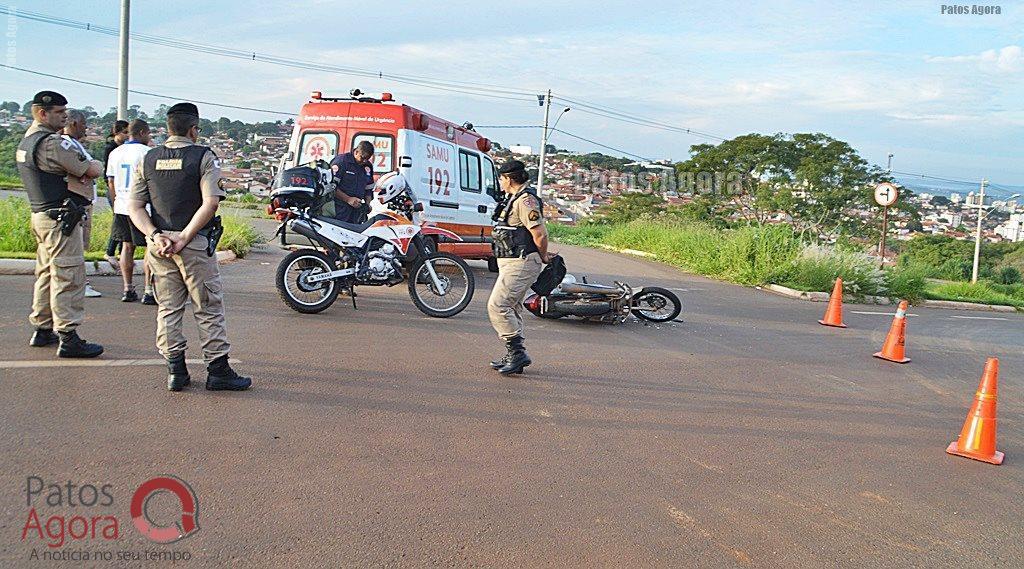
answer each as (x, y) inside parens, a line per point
(45, 162)
(180, 180)
(521, 246)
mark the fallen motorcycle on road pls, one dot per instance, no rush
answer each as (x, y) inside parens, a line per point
(604, 303)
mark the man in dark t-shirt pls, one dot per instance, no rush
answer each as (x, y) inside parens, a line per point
(353, 174)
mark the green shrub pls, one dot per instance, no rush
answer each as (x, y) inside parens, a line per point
(817, 267)
(907, 282)
(239, 235)
(950, 270)
(1008, 276)
(983, 292)
(15, 228)
(577, 234)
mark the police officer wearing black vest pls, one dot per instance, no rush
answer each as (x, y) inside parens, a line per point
(520, 243)
(46, 162)
(180, 180)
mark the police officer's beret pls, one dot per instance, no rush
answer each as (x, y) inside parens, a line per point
(183, 109)
(49, 99)
(512, 166)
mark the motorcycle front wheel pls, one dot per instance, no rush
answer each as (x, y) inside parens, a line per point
(656, 304)
(293, 286)
(450, 293)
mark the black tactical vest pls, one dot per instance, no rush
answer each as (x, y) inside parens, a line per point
(173, 175)
(45, 190)
(508, 241)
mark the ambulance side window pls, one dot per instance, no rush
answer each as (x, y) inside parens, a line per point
(317, 145)
(383, 150)
(469, 171)
(489, 186)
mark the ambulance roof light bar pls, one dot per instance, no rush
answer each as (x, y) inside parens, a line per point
(354, 95)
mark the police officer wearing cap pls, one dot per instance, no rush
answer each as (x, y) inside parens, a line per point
(46, 162)
(520, 242)
(180, 180)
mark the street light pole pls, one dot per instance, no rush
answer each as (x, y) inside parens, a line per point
(122, 84)
(977, 235)
(544, 142)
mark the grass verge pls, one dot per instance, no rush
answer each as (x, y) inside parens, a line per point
(16, 240)
(753, 256)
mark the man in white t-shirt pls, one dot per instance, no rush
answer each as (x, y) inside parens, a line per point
(121, 165)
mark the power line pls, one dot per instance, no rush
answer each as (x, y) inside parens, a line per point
(576, 136)
(634, 119)
(619, 150)
(464, 87)
(169, 97)
(147, 93)
(975, 183)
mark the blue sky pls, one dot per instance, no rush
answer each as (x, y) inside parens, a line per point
(941, 92)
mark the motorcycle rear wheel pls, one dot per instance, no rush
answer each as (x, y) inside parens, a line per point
(301, 296)
(454, 274)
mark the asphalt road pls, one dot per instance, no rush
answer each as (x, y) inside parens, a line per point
(746, 435)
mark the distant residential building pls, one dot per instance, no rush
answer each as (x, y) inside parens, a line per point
(520, 150)
(955, 198)
(1013, 229)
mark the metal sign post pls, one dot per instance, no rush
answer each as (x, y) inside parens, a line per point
(885, 196)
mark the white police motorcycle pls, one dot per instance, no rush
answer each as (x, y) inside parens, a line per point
(386, 250)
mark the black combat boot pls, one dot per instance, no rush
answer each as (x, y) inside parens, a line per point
(498, 364)
(222, 378)
(177, 373)
(71, 346)
(517, 359)
(43, 337)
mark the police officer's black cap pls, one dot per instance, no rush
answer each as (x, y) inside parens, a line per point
(512, 166)
(49, 99)
(183, 109)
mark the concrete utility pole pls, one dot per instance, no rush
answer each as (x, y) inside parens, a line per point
(122, 84)
(977, 235)
(543, 140)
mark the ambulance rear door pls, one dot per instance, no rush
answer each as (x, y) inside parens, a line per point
(432, 167)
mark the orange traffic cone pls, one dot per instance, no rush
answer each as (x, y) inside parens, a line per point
(893, 348)
(978, 437)
(834, 312)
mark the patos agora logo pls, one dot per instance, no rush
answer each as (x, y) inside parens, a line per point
(99, 524)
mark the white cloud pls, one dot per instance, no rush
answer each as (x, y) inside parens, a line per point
(1009, 59)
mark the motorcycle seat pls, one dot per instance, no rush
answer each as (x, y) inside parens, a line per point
(582, 288)
(357, 227)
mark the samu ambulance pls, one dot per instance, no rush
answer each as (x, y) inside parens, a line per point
(446, 164)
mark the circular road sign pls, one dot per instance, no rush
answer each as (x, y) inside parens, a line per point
(886, 194)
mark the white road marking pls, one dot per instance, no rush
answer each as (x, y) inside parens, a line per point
(684, 289)
(979, 317)
(28, 364)
(879, 313)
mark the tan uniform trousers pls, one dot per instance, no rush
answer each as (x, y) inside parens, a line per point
(505, 306)
(87, 228)
(189, 275)
(58, 301)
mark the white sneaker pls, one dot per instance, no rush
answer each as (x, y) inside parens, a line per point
(91, 292)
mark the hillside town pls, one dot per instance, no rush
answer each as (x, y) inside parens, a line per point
(573, 192)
